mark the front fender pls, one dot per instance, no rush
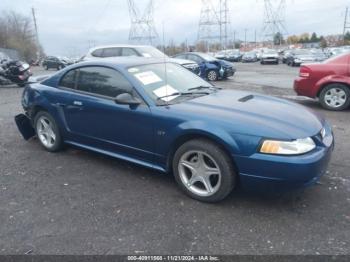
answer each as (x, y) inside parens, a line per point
(233, 143)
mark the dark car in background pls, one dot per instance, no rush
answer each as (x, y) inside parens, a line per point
(53, 62)
(299, 56)
(230, 55)
(109, 51)
(250, 57)
(211, 68)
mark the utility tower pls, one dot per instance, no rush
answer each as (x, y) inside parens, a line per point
(36, 33)
(274, 19)
(214, 22)
(142, 29)
(346, 23)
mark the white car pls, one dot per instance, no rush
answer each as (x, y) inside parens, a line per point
(269, 56)
(101, 52)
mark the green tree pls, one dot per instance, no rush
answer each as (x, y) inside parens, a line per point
(278, 38)
(314, 38)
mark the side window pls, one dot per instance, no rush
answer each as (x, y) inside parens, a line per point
(97, 53)
(103, 81)
(129, 52)
(111, 52)
(68, 80)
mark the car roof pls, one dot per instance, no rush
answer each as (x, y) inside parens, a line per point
(123, 62)
(117, 45)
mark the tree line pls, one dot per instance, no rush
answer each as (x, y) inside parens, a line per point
(17, 32)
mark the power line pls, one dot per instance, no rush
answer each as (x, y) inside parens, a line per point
(142, 29)
(274, 19)
(214, 22)
(346, 23)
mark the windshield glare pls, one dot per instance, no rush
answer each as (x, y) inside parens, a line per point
(156, 83)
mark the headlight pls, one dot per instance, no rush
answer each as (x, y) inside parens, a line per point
(295, 147)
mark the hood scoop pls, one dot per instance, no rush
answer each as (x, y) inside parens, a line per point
(246, 98)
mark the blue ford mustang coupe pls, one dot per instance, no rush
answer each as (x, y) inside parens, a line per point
(162, 116)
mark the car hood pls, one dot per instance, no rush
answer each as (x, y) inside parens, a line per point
(305, 57)
(222, 63)
(181, 61)
(270, 55)
(255, 114)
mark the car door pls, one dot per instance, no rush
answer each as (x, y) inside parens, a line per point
(93, 119)
(200, 61)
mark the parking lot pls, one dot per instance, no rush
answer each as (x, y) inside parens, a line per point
(79, 202)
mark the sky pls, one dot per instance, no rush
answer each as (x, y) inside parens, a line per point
(70, 27)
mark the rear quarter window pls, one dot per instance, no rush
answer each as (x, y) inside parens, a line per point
(68, 80)
(97, 53)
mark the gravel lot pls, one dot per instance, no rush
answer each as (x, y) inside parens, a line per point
(78, 202)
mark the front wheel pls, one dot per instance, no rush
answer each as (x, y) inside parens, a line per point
(335, 97)
(204, 171)
(48, 132)
(212, 75)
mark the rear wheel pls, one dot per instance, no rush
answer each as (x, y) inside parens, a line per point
(47, 132)
(204, 171)
(335, 97)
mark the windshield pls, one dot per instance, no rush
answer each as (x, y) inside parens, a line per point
(270, 52)
(207, 57)
(302, 52)
(149, 51)
(158, 85)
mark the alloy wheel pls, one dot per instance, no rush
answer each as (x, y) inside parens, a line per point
(199, 173)
(46, 132)
(335, 97)
(212, 75)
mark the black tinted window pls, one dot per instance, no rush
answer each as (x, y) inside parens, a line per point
(129, 52)
(68, 80)
(111, 52)
(97, 53)
(103, 81)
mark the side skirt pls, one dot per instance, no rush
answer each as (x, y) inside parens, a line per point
(119, 156)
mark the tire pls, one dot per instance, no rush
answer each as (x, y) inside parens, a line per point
(52, 144)
(262, 62)
(47, 67)
(222, 180)
(212, 75)
(335, 97)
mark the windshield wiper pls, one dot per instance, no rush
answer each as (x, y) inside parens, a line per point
(204, 87)
(183, 94)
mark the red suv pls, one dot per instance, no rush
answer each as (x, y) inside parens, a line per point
(328, 81)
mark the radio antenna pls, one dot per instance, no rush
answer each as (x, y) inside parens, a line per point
(165, 67)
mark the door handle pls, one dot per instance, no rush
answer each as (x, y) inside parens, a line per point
(77, 103)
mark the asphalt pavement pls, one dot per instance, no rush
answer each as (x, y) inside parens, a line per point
(79, 202)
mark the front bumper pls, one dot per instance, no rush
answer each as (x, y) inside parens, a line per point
(285, 172)
(229, 72)
(269, 60)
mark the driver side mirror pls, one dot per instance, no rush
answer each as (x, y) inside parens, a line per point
(127, 99)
